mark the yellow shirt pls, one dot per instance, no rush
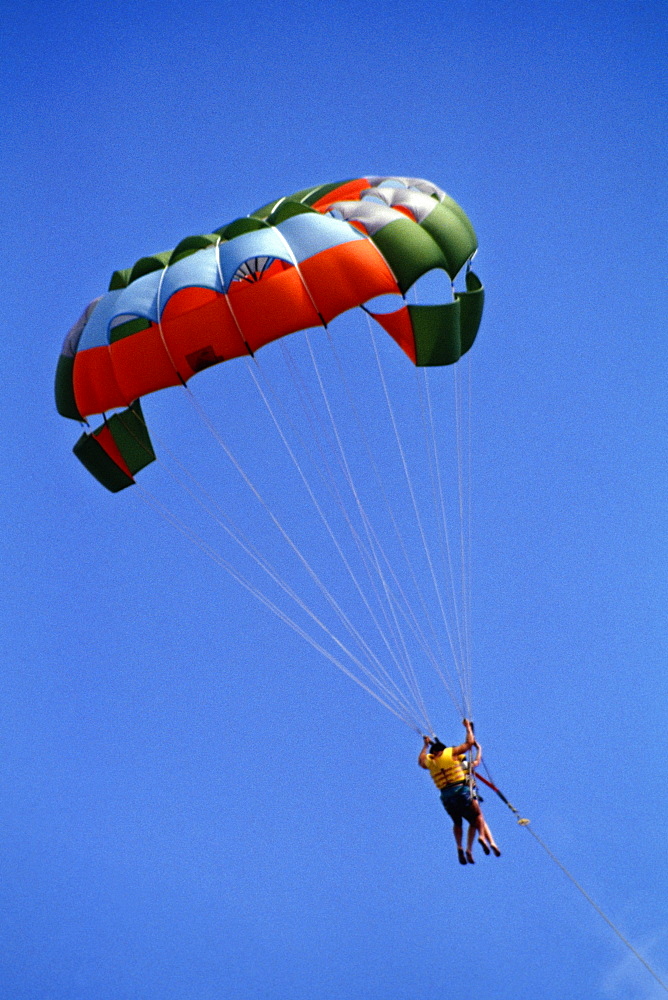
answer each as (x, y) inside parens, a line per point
(446, 769)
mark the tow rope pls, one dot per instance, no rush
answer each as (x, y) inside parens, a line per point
(525, 822)
(521, 820)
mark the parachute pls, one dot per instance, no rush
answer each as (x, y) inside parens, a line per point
(298, 263)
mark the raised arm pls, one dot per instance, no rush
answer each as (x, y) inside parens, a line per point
(423, 753)
(470, 740)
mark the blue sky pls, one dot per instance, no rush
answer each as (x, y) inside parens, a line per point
(195, 804)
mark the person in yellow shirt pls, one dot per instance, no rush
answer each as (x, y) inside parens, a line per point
(445, 764)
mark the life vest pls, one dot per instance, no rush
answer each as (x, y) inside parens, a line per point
(445, 769)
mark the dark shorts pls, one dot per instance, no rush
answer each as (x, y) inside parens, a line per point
(458, 804)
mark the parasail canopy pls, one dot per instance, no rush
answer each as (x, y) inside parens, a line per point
(296, 263)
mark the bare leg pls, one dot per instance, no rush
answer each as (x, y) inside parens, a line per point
(470, 837)
(484, 835)
(476, 825)
(458, 831)
(489, 837)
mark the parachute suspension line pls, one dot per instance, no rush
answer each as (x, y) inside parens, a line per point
(257, 557)
(460, 496)
(199, 542)
(200, 410)
(463, 553)
(328, 527)
(412, 680)
(203, 415)
(468, 509)
(229, 454)
(462, 608)
(444, 533)
(324, 469)
(238, 536)
(311, 572)
(374, 544)
(469, 540)
(432, 449)
(320, 434)
(364, 554)
(413, 500)
(446, 552)
(405, 609)
(411, 490)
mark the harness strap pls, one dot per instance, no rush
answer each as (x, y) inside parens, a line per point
(490, 784)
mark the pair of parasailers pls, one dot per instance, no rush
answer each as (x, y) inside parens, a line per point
(447, 768)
